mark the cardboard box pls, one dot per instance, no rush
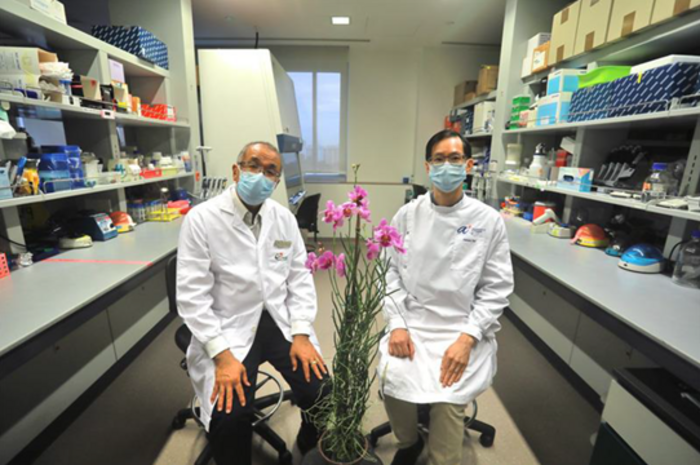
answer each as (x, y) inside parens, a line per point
(532, 44)
(463, 90)
(483, 112)
(667, 9)
(564, 29)
(58, 12)
(51, 8)
(554, 109)
(564, 80)
(575, 179)
(629, 16)
(20, 65)
(488, 79)
(665, 61)
(540, 58)
(593, 23)
(91, 88)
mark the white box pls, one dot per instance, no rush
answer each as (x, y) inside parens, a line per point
(58, 12)
(532, 44)
(52, 8)
(482, 113)
(668, 60)
(20, 65)
(527, 67)
(116, 71)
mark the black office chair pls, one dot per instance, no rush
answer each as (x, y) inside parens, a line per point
(307, 215)
(260, 425)
(488, 432)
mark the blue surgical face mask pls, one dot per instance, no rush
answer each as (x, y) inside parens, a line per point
(447, 177)
(254, 189)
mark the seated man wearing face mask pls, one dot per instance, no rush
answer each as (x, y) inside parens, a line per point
(448, 292)
(243, 291)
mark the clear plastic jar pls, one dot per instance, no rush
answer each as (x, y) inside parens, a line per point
(660, 182)
(687, 270)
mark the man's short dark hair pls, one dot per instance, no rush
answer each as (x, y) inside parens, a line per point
(244, 151)
(446, 134)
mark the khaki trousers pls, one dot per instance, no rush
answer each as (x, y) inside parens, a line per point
(446, 429)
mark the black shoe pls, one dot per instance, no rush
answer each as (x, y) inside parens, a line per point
(409, 455)
(306, 439)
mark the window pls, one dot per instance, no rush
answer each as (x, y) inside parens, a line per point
(320, 103)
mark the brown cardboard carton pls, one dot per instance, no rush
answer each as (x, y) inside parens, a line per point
(593, 23)
(629, 16)
(462, 91)
(667, 9)
(564, 28)
(540, 58)
(488, 79)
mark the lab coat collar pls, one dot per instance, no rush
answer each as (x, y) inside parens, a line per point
(227, 205)
(446, 210)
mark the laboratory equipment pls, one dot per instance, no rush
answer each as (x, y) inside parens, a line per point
(77, 241)
(620, 242)
(54, 172)
(642, 258)
(591, 235)
(98, 226)
(544, 209)
(687, 270)
(122, 221)
(75, 164)
(560, 231)
(659, 184)
(290, 148)
(539, 161)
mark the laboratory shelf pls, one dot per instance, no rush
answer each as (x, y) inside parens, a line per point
(54, 111)
(41, 198)
(604, 198)
(678, 36)
(651, 304)
(47, 33)
(475, 101)
(649, 119)
(34, 299)
(484, 135)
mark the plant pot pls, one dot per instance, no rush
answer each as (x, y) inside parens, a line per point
(316, 457)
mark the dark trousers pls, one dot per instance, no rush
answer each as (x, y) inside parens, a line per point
(231, 435)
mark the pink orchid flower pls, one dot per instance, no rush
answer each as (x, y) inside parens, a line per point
(364, 212)
(340, 265)
(312, 262)
(348, 209)
(329, 214)
(388, 236)
(357, 195)
(372, 249)
(326, 261)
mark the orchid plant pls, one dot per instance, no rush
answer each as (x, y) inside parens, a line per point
(356, 304)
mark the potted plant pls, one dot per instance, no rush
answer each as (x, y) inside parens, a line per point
(358, 281)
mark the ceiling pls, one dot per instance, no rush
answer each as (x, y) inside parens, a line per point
(410, 23)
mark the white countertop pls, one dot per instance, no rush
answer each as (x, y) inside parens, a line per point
(667, 313)
(35, 298)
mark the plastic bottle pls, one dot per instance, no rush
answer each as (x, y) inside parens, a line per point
(537, 167)
(659, 183)
(687, 271)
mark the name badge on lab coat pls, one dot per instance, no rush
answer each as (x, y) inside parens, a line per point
(283, 244)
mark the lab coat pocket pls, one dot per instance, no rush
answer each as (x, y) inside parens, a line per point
(279, 260)
(468, 254)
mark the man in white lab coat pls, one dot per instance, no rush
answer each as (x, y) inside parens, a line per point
(243, 291)
(448, 292)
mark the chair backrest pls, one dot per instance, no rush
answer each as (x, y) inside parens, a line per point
(307, 215)
(171, 283)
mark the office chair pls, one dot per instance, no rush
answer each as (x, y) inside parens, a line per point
(488, 432)
(307, 215)
(275, 400)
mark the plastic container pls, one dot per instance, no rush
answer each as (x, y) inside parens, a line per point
(54, 173)
(603, 75)
(687, 270)
(75, 165)
(539, 162)
(660, 182)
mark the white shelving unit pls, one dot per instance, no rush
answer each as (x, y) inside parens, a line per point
(490, 97)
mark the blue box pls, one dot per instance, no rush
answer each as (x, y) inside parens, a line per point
(564, 80)
(468, 122)
(554, 109)
(135, 40)
(591, 103)
(653, 90)
(575, 179)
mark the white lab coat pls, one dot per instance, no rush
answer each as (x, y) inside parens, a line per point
(225, 279)
(455, 278)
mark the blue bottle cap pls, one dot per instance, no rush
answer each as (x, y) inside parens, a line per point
(659, 166)
(695, 234)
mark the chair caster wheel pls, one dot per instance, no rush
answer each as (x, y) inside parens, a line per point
(486, 440)
(285, 458)
(178, 423)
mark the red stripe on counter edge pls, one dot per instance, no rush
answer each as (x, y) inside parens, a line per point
(109, 262)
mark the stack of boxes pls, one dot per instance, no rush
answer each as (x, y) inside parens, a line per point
(484, 116)
(534, 60)
(51, 8)
(519, 111)
(554, 107)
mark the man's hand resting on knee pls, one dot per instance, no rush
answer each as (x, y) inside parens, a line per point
(231, 375)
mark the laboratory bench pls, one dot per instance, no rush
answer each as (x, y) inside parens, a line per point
(597, 318)
(75, 321)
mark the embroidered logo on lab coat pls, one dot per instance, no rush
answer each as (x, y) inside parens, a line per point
(280, 257)
(470, 234)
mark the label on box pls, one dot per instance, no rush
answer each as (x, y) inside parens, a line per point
(107, 114)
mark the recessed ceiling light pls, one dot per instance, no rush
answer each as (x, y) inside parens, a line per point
(340, 20)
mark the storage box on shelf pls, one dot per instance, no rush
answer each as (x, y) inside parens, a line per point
(667, 9)
(541, 58)
(554, 109)
(564, 28)
(533, 44)
(464, 91)
(592, 31)
(629, 16)
(564, 80)
(488, 80)
(135, 40)
(51, 8)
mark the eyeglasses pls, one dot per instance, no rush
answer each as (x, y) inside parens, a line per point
(255, 168)
(452, 159)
